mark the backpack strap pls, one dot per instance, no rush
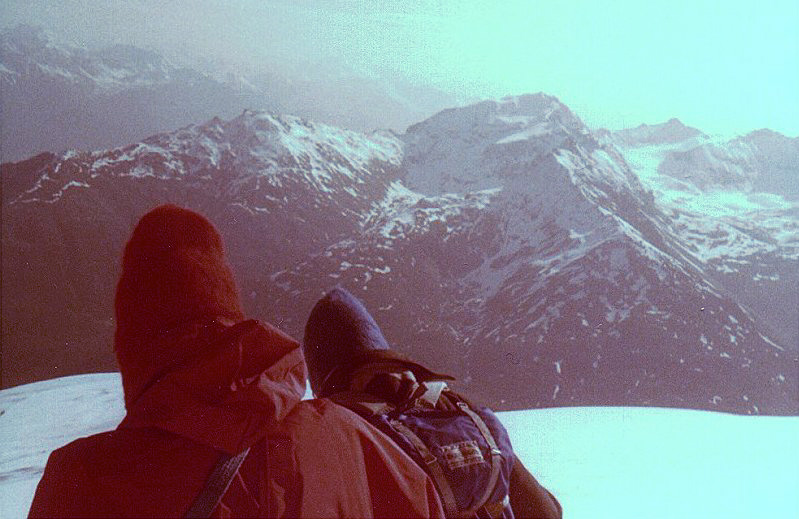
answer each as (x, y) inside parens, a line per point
(432, 467)
(496, 453)
(216, 485)
(492, 510)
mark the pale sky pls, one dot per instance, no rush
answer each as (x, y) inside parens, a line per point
(723, 67)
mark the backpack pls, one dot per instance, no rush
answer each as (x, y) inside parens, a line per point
(465, 450)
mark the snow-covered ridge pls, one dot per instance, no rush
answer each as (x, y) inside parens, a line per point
(403, 210)
(314, 143)
(672, 132)
(568, 450)
(259, 144)
(27, 51)
(591, 169)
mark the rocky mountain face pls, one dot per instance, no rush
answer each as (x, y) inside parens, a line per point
(733, 204)
(56, 97)
(501, 242)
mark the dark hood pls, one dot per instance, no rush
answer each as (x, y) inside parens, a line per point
(341, 336)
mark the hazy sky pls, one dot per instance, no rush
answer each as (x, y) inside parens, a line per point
(724, 67)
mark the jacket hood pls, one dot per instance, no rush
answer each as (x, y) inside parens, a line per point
(174, 272)
(187, 367)
(246, 379)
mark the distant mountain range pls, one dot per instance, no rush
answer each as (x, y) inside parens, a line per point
(56, 97)
(540, 262)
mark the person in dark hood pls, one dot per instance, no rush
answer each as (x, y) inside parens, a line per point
(350, 362)
(203, 387)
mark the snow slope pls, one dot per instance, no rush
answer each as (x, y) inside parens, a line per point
(600, 462)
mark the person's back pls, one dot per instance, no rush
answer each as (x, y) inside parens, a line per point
(464, 448)
(201, 382)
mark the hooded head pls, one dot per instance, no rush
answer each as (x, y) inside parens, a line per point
(340, 337)
(174, 272)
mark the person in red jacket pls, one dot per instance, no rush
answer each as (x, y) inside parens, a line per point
(201, 382)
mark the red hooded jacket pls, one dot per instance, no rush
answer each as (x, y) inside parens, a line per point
(197, 386)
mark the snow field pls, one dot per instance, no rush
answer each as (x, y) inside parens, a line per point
(600, 462)
(625, 462)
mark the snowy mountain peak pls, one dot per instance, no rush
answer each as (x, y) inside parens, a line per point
(505, 115)
(537, 104)
(671, 132)
(482, 145)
